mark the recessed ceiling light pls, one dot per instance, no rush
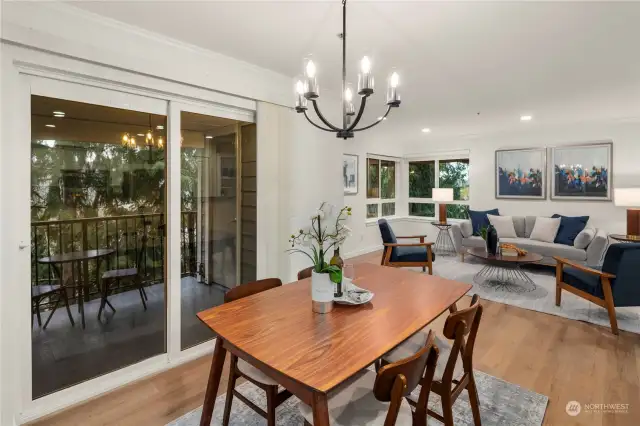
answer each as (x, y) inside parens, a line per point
(50, 125)
(208, 137)
(159, 127)
(525, 118)
(426, 130)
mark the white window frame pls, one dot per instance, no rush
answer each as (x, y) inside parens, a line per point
(436, 159)
(380, 201)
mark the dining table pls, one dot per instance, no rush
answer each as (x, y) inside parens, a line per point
(311, 354)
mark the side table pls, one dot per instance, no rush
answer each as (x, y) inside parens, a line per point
(444, 244)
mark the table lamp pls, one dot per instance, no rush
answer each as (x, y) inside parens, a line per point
(629, 197)
(442, 196)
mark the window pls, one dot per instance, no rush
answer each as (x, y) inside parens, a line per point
(424, 175)
(381, 188)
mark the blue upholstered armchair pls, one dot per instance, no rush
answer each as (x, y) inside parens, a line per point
(405, 254)
(617, 284)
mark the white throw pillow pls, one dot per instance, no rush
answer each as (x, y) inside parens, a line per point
(466, 229)
(545, 229)
(504, 226)
(584, 238)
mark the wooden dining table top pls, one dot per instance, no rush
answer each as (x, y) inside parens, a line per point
(277, 330)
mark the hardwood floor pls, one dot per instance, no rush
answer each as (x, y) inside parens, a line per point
(564, 359)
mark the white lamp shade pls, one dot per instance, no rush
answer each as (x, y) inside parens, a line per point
(442, 195)
(626, 197)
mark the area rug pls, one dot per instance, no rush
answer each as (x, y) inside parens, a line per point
(501, 404)
(542, 299)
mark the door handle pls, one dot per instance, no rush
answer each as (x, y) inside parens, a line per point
(22, 246)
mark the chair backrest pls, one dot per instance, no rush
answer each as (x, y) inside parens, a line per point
(387, 236)
(457, 327)
(397, 380)
(305, 273)
(622, 260)
(248, 289)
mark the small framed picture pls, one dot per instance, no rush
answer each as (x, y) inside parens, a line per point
(582, 172)
(350, 173)
(521, 173)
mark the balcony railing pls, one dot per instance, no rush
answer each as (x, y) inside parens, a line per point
(124, 234)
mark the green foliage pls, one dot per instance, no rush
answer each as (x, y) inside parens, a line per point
(421, 179)
(455, 174)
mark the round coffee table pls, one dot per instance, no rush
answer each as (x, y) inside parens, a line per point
(504, 272)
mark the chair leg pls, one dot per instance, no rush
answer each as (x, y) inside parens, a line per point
(105, 292)
(51, 314)
(65, 298)
(447, 408)
(558, 282)
(272, 395)
(230, 387)
(608, 300)
(474, 401)
(37, 303)
(141, 291)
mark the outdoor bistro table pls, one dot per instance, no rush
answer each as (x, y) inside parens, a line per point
(311, 354)
(76, 258)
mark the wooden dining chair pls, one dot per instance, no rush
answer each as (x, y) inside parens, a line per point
(305, 273)
(456, 373)
(134, 275)
(240, 368)
(379, 399)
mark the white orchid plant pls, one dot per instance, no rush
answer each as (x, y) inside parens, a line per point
(325, 233)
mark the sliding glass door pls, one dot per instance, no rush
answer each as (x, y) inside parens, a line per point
(98, 258)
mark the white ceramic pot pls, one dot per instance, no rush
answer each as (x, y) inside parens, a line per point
(321, 293)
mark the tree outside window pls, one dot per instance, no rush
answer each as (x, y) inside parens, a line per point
(428, 174)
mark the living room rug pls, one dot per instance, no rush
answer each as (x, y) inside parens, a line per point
(501, 404)
(542, 299)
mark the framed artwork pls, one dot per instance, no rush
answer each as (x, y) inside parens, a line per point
(582, 172)
(521, 173)
(350, 173)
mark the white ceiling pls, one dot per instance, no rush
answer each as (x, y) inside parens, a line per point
(559, 62)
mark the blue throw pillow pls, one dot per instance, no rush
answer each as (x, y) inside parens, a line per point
(480, 220)
(569, 229)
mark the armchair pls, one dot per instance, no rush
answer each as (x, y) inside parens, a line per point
(405, 254)
(615, 285)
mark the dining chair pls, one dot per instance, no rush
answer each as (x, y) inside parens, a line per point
(456, 373)
(615, 285)
(305, 273)
(405, 254)
(379, 399)
(134, 275)
(39, 292)
(240, 368)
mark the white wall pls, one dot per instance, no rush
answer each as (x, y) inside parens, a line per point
(603, 214)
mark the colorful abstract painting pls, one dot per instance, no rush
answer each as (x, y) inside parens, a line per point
(582, 172)
(521, 173)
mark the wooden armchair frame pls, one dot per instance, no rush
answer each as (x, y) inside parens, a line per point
(388, 248)
(605, 281)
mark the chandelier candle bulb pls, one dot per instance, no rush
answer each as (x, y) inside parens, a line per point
(393, 97)
(348, 98)
(301, 101)
(310, 84)
(365, 79)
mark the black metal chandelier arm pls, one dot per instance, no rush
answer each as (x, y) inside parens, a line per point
(376, 122)
(317, 125)
(363, 102)
(321, 117)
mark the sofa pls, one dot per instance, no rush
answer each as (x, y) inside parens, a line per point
(591, 255)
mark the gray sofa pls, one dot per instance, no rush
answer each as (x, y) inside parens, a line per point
(591, 255)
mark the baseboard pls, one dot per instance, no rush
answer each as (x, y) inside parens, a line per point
(362, 251)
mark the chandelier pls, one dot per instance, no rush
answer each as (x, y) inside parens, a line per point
(308, 91)
(129, 140)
